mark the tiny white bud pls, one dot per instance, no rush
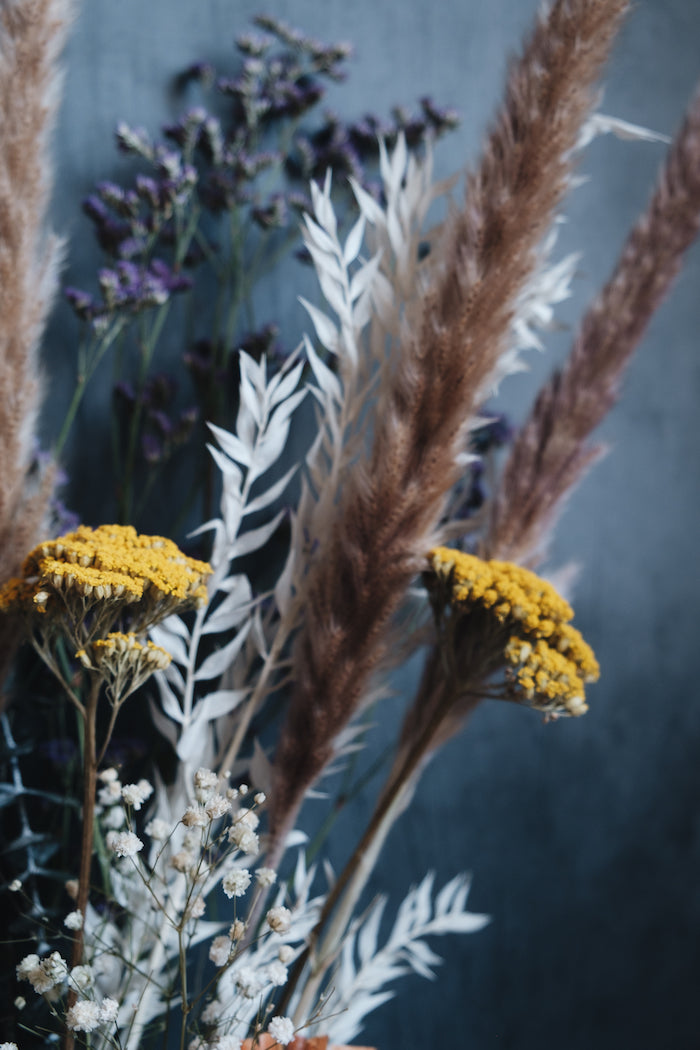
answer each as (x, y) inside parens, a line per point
(74, 920)
(279, 919)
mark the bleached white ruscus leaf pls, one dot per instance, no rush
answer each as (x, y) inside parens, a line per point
(267, 403)
(366, 967)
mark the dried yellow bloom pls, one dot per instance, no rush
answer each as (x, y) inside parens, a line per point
(101, 589)
(98, 578)
(508, 617)
(123, 662)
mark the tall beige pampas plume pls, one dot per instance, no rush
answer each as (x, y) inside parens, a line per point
(392, 501)
(32, 33)
(552, 451)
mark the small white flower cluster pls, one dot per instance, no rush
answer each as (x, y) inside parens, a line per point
(236, 882)
(113, 792)
(136, 794)
(43, 974)
(86, 1015)
(124, 843)
(281, 1029)
(242, 833)
(74, 920)
(50, 976)
(279, 919)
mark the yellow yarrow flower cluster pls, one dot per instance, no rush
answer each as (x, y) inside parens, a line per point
(123, 662)
(101, 589)
(105, 574)
(547, 660)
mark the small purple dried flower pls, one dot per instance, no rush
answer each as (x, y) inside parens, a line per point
(82, 303)
(272, 215)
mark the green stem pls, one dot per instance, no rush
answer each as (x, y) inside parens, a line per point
(147, 351)
(84, 376)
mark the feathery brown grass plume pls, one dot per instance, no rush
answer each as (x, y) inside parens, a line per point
(391, 504)
(551, 452)
(32, 33)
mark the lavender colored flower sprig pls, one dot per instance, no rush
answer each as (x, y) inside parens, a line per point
(220, 191)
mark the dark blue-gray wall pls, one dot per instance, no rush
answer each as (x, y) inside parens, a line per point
(583, 837)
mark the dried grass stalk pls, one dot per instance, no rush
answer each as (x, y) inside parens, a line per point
(552, 452)
(32, 33)
(391, 504)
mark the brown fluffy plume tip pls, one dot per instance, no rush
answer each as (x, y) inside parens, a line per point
(552, 452)
(391, 504)
(32, 33)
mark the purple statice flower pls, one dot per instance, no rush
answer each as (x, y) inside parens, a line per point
(110, 231)
(286, 33)
(172, 280)
(136, 141)
(150, 191)
(332, 147)
(199, 360)
(186, 131)
(299, 202)
(123, 391)
(152, 449)
(261, 341)
(160, 390)
(366, 132)
(440, 118)
(161, 422)
(199, 72)
(184, 425)
(133, 287)
(83, 304)
(254, 44)
(124, 202)
(272, 215)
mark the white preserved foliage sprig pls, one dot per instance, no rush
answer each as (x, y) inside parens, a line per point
(262, 429)
(191, 718)
(365, 969)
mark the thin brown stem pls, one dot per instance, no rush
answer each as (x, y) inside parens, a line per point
(439, 695)
(89, 791)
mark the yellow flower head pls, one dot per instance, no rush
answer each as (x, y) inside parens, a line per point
(123, 662)
(508, 617)
(99, 577)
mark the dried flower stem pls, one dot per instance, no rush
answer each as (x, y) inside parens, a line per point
(438, 696)
(391, 504)
(87, 833)
(551, 452)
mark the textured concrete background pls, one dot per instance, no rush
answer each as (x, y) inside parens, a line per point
(583, 837)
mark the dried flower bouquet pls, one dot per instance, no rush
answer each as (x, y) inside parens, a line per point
(196, 912)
